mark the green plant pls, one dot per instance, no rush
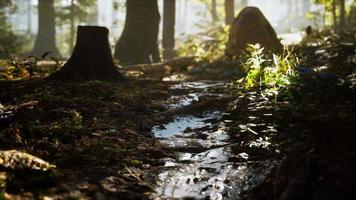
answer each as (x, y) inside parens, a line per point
(268, 73)
(209, 45)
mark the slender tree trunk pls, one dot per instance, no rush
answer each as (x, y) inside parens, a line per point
(168, 40)
(72, 31)
(296, 7)
(324, 17)
(342, 15)
(244, 3)
(46, 36)
(214, 12)
(139, 41)
(229, 11)
(333, 11)
(306, 7)
(290, 7)
(91, 58)
(185, 14)
(29, 16)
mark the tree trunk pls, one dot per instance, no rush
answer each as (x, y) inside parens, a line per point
(45, 40)
(333, 10)
(342, 14)
(296, 8)
(290, 7)
(29, 17)
(138, 43)
(72, 31)
(169, 14)
(306, 7)
(91, 58)
(229, 11)
(244, 3)
(214, 12)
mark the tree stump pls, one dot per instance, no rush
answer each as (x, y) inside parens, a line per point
(91, 57)
(251, 27)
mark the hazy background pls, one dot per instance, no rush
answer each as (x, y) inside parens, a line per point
(192, 16)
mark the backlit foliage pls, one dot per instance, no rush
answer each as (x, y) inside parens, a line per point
(268, 73)
(209, 45)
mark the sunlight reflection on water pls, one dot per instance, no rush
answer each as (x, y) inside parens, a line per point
(180, 124)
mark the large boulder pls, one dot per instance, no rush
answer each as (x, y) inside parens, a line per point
(251, 27)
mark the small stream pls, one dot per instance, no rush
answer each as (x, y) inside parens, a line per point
(203, 168)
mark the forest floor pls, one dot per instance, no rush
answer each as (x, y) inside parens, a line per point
(91, 131)
(146, 139)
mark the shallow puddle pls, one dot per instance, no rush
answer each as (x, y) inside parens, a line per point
(197, 85)
(195, 91)
(181, 124)
(202, 168)
(209, 175)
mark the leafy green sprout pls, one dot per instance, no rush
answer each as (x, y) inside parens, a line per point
(268, 73)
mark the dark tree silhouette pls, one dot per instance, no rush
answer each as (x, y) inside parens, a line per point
(139, 40)
(342, 14)
(91, 58)
(333, 11)
(46, 36)
(169, 8)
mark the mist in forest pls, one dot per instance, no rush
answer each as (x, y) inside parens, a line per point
(192, 16)
(288, 18)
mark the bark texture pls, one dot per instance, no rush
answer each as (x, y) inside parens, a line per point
(91, 58)
(244, 32)
(46, 36)
(139, 41)
(168, 40)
